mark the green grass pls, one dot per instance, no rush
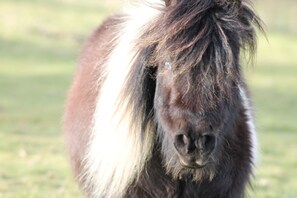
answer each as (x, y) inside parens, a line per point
(39, 45)
(273, 82)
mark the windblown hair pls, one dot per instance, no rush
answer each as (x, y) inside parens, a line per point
(204, 35)
(119, 139)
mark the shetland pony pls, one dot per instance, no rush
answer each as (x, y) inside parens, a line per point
(159, 107)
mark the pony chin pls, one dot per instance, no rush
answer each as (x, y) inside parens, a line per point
(180, 172)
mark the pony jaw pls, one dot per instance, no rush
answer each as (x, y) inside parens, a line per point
(179, 171)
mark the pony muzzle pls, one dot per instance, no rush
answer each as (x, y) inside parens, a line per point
(194, 152)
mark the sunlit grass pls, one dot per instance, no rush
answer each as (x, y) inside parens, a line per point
(39, 44)
(273, 83)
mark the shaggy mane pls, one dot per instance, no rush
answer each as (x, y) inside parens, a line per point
(205, 34)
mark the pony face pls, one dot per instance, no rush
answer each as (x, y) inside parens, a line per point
(193, 122)
(197, 96)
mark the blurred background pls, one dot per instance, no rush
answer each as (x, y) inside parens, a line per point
(39, 45)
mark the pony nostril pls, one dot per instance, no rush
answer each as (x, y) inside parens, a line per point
(184, 144)
(206, 143)
(181, 140)
(207, 139)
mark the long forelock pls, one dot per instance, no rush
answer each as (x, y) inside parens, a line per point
(206, 35)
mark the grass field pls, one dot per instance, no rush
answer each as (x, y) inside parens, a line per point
(39, 44)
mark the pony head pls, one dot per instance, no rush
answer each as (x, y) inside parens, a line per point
(196, 49)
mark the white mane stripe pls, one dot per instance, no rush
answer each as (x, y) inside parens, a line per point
(251, 125)
(116, 154)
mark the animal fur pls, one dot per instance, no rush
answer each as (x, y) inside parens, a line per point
(134, 72)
